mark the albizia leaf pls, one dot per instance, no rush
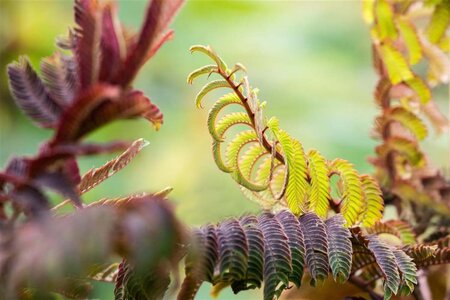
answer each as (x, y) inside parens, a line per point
(319, 193)
(59, 78)
(31, 95)
(88, 33)
(316, 245)
(408, 272)
(373, 201)
(208, 88)
(411, 39)
(398, 228)
(277, 256)
(386, 260)
(421, 89)
(410, 121)
(385, 20)
(255, 241)
(439, 22)
(403, 146)
(151, 286)
(352, 194)
(428, 255)
(297, 186)
(396, 65)
(93, 177)
(339, 248)
(291, 227)
(233, 250)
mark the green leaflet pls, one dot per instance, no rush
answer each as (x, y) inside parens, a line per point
(319, 192)
(385, 20)
(408, 272)
(208, 88)
(249, 159)
(403, 146)
(410, 121)
(208, 51)
(297, 186)
(209, 69)
(411, 39)
(397, 67)
(352, 194)
(439, 22)
(374, 203)
(386, 261)
(420, 88)
(235, 146)
(224, 101)
(217, 154)
(227, 121)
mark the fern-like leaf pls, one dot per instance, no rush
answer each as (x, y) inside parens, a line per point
(339, 248)
(316, 245)
(319, 193)
(224, 101)
(386, 261)
(397, 67)
(93, 177)
(374, 203)
(352, 194)
(408, 272)
(411, 39)
(277, 256)
(255, 241)
(31, 95)
(410, 121)
(439, 22)
(233, 250)
(291, 227)
(208, 88)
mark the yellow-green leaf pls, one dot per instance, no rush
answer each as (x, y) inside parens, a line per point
(373, 201)
(352, 193)
(319, 192)
(409, 120)
(385, 20)
(420, 88)
(396, 65)
(439, 22)
(411, 39)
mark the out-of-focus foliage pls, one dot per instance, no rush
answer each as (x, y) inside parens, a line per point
(405, 92)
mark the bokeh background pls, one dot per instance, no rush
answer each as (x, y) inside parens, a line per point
(310, 59)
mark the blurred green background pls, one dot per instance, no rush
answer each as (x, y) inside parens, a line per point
(310, 59)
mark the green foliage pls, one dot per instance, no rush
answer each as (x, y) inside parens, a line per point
(269, 164)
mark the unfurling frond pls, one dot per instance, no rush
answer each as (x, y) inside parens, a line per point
(270, 165)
